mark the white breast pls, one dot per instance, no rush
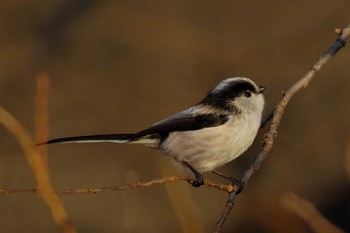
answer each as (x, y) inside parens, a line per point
(212, 147)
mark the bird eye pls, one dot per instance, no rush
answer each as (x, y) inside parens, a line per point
(247, 94)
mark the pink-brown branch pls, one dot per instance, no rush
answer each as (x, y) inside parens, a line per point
(343, 35)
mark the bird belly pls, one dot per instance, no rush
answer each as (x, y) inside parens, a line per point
(209, 148)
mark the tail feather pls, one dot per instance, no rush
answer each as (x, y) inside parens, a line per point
(114, 138)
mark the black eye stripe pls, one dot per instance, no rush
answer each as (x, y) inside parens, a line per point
(222, 98)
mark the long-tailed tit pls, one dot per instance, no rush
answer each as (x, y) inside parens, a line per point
(203, 137)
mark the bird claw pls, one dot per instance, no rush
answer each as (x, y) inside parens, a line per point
(199, 182)
(239, 184)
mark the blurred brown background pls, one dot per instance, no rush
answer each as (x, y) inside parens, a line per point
(119, 66)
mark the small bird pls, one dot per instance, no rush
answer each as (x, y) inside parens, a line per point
(205, 136)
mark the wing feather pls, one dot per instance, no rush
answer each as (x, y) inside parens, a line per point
(182, 122)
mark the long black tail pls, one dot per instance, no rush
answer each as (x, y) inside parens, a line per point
(114, 138)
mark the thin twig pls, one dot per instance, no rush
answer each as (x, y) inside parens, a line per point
(136, 185)
(266, 119)
(343, 35)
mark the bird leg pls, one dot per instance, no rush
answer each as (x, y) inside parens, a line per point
(199, 177)
(233, 180)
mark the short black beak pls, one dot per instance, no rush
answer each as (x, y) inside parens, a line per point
(262, 89)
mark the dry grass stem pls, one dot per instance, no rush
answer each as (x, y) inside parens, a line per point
(41, 112)
(308, 213)
(39, 169)
(37, 159)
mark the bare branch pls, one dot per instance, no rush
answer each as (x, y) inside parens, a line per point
(343, 35)
(136, 185)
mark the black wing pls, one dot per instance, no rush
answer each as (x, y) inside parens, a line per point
(181, 122)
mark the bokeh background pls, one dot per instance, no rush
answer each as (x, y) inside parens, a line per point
(119, 66)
